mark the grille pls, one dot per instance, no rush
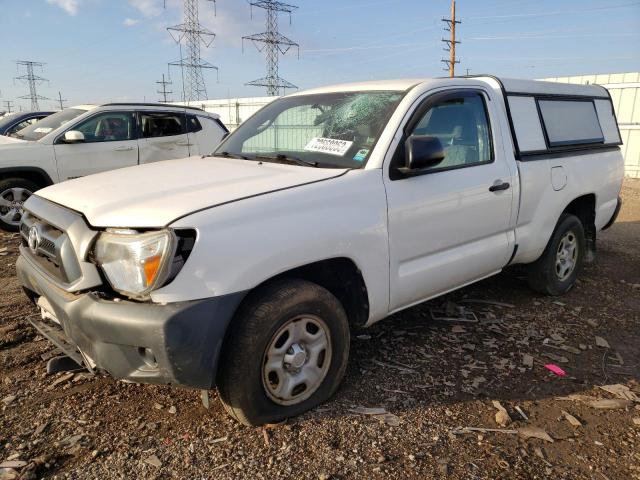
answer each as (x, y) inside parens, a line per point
(48, 254)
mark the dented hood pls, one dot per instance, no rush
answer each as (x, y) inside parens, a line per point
(155, 194)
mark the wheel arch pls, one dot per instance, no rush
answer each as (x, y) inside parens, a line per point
(584, 207)
(340, 276)
(34, 174)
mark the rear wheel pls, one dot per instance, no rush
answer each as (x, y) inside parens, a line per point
(13, 193)
(286, 352)
(555, 272)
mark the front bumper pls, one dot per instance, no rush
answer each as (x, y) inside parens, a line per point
(175, 343)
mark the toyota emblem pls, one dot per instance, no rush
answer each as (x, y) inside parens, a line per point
(34, 239)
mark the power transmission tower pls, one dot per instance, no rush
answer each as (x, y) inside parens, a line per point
(32, 80)
(164, 90)
(61, 100)
(192, 34)
(450, 26)
(8, 104)
(274, 44)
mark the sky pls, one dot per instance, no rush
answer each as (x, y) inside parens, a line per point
(115, 50)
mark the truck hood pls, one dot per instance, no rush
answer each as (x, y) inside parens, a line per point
(156, 194)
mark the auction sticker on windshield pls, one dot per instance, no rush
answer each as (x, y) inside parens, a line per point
(330, 146)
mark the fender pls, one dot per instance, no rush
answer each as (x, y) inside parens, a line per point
(32, 172)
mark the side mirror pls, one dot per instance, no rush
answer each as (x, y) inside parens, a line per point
(73, 136)
(422, 151)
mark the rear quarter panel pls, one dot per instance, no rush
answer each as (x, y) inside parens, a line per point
(541, 205)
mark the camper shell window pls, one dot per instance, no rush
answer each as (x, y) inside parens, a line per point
(570, 122)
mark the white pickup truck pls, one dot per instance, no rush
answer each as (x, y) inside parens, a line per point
(328, 209)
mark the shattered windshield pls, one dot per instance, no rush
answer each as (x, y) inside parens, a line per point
(327, 130)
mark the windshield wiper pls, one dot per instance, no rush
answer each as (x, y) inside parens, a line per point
(228, 155)
(287, 158)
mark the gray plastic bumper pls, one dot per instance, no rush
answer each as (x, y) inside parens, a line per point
(175, 343)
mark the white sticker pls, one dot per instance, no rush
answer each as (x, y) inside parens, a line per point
(42, 130)
(330, 146)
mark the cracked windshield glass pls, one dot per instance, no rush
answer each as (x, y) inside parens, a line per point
(324, 130)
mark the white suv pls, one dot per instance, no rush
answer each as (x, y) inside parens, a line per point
(88, 139)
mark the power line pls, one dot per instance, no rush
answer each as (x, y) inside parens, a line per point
(164, 90)
(273, 43)
(450, 26)
(32, 80)
(8, 104)
(194, 35)
(61, 100)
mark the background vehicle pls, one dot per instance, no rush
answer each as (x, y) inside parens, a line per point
(88, 139)
(328, 209)
(14, 122)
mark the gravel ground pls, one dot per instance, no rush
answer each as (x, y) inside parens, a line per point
(436, 381)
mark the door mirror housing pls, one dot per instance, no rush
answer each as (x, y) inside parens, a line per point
(73, 136)
(422, 151)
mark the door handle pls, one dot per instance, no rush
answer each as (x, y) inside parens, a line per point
(123, 149)
(496, 187)
(184, 144)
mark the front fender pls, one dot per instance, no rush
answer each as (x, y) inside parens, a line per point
(242, 244)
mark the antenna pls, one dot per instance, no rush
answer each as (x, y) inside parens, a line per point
(450, 26)
(193, 34)
(164, 92)
(273, 43)
(61, 100)
(32, 80)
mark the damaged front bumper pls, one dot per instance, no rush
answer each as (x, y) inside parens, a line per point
(176, 343)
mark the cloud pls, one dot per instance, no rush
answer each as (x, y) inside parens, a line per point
(148, 8)
(129, 22)
(69, 6)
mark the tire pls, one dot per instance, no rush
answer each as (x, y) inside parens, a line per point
(13, 192)
(550, 275)
(247, 387)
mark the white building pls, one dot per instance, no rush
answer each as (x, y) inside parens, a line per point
(625, 93)
(232, 111)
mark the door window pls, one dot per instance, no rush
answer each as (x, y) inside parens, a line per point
(193, 124)
(462, 126)
(107, 127)
(161, 124)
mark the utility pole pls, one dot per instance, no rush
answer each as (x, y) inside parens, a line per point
(164, 90)
(8, 104)
(450, 26)
(273, 43)
(32, 80)
(194, 35)
(60, 100)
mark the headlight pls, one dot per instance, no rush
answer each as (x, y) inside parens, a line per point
(135, 263)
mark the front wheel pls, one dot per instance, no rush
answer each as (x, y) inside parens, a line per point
(13, 193)
(555, 272)
(286, 352)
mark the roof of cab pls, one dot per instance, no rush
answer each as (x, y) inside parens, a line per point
(399, 85)
(511, 85)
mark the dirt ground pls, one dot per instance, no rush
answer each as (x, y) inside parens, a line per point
(437, 380)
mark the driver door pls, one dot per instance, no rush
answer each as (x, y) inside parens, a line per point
(448, 224)
(109, 142)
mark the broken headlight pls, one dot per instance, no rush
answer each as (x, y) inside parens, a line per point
(135, 263)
